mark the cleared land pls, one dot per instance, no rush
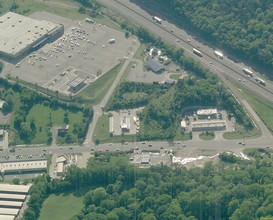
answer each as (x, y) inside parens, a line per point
(61, 207)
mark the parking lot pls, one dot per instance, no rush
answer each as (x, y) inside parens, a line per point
(83, 51)
(130, 114)
(140, 74)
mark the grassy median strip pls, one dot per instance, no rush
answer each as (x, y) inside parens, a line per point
(261, 106)
(94, 93)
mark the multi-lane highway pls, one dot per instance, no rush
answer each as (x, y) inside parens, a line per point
(225, 68)
(171, 33)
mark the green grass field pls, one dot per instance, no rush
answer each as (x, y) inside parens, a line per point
(57, 117)
(94, 93)
(175, 76)
(68, 9)
(127, 71)
(241, 133)
(179, 136)
(62, 207)
(137, 54)
(262, 107)
(205, 137)
(102, 128)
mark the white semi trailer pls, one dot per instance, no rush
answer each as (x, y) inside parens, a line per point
(219, 54)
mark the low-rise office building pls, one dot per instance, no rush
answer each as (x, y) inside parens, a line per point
(27, 165)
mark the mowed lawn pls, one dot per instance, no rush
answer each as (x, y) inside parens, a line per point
(102, 128)
(41, 115)
(61, 7)
(61, 207)
(95, 92)
(262, 107)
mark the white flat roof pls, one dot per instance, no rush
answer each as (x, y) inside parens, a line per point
(23, 165)
(60, 167)
(12, 197)
(5, 211)
(18, 32)
(210, 111)
(183, 124)
(14, 188)
(11, 204)
(61, 159)
(1, 103)
(7, 217)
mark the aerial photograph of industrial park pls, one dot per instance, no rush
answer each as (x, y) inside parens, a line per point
(136, 110)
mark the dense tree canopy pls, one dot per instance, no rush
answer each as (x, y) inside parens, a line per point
(116, 190)
(164, 103)
(242, 27)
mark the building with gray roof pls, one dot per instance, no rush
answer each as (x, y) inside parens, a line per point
(11, 204)
(154, 65)
(7, 217)
(23, 166)
(21, 35)
(7, 211)
(145, 159)
(76, 84)
(16, 189)
(12, 197)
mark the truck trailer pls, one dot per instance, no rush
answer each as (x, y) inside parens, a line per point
(157, 19)
(260, 81)
(219, 54)
(197, 52)
(247, 71)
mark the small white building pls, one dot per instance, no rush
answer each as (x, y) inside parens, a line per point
(60, 169)
(207, 113)
(61, 161)
(183, 124)
(125, 124)
(1, 104)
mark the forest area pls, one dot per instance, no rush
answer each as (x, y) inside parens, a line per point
(243, 28)
(163, 103)
(233, 189)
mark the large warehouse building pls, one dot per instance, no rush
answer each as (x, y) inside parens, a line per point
(22, 35)
(12, 198)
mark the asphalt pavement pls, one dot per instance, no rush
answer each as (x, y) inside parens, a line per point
(265, 140)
